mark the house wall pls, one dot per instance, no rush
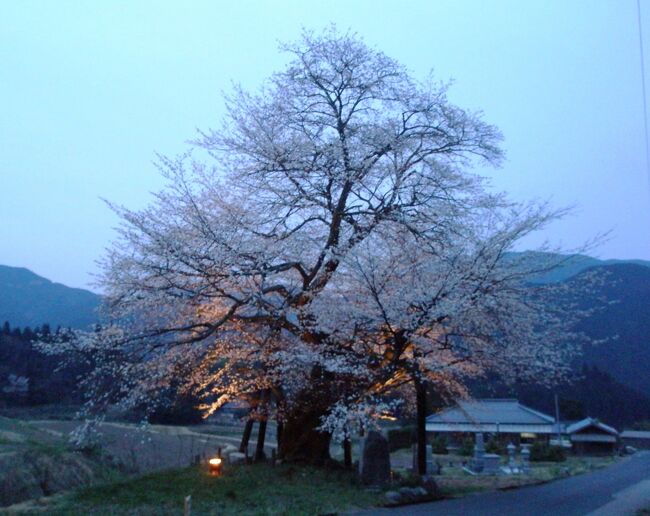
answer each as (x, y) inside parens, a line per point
(504, 438)
(490, 428)
(593, 440)
(594, 448)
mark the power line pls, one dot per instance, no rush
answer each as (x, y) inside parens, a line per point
(643, 90)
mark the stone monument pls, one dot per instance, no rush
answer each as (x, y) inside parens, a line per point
(511, 456)
(374, 466)
(483, 463)
(477, 463)
(525, 458)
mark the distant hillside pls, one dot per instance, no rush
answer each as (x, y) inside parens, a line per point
(592, 393)
(612, 379)
(596, 394)
(625, 320)
(27, 299)
(571, 266)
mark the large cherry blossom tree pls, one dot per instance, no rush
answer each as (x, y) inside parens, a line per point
(329, 247)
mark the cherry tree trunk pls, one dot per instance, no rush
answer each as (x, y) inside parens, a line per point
(301, 441)
(421, 430)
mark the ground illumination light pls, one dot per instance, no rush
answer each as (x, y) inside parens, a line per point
(215, 466)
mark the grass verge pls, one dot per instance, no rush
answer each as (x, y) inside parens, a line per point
(256, 489)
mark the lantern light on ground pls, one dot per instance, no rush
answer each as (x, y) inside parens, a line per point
(215, 465)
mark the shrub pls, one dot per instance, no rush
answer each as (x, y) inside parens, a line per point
(439, 445)
(466, 448)
(406, 479)
(556, 454)
(542, 452)
(494, 446)
(401, 438)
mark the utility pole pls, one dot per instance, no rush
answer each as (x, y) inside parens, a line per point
(557, 421)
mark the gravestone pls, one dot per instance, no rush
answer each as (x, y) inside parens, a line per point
(491, 462)
(512, 464)
(525, 457)
(374, 466)
(477, 463)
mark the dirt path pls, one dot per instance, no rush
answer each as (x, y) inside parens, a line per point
(153, 448)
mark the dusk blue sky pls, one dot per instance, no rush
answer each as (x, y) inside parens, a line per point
(89, 91)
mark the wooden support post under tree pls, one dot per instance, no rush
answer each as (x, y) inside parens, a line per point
(347, 453)
(261, 431)
(261, 436)
(278, 432)
(421, 429)
(279, 425)
(248, 429)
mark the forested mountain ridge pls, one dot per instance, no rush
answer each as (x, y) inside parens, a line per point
(590, 393)
(29, 377)
(27, 299)
(611, 379)
(622, 325)
(570, 266)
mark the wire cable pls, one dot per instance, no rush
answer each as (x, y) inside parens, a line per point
(643, 90)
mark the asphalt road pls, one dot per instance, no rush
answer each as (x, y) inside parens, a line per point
(618, 490)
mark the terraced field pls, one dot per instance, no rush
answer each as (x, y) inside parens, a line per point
(36, 459)
(35, 462)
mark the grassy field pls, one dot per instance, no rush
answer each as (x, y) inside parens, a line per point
(255, 489)
(31, 452)
(264, 489)
(35, 453)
